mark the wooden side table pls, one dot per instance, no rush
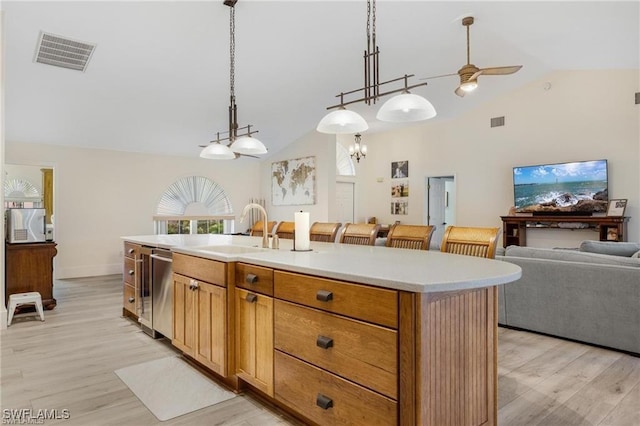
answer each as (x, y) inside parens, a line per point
(29, 267)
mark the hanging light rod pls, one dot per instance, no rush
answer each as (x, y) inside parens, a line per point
(405, 107)
(240, 143)
(373, 98)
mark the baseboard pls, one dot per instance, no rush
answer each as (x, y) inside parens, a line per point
(87, 271)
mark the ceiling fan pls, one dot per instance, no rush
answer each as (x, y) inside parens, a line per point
(469, 73)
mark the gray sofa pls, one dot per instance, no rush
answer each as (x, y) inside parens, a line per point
(590, 294)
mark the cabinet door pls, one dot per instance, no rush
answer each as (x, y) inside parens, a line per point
(184, 314)
(254, 339)
(212, 326)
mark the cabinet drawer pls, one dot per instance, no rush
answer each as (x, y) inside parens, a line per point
(131, 250)
(254, 278)
(129, 271)
(300, 385)
(208, 270)
(129, 298)
(358, 351)
(358, 301)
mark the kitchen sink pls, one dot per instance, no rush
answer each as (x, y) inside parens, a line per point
(230, 249)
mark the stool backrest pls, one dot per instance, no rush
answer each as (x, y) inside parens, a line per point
(256, 231)
(415, 237)
(324, 231)
(285, 230)
(480, 242)
(363, 234)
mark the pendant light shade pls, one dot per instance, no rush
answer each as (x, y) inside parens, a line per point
(342, 121)
(217, 151)
(469, 85)
(248, 145)
(405, 108)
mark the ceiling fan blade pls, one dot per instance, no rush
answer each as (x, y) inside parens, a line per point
(460, 92)
(438, 76)
(501, 70)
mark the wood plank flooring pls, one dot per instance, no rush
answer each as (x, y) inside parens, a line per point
(68, 362)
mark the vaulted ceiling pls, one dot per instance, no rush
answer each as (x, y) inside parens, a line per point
(158, 80)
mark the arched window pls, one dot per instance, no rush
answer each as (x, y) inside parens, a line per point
(344, 163)
(21, 193)
(194, 205)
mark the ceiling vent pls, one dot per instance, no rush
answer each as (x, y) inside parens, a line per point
(63, 52)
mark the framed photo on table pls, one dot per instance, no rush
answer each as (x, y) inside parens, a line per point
(616, 207)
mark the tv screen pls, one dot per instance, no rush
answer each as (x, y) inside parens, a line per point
(564, 188)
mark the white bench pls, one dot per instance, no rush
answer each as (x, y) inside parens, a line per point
(17, 299)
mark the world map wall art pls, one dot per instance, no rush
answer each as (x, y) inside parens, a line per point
(293, 182)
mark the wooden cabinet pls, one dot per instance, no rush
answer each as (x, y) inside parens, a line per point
(29, 267)
(200, 311)
(254, 326)
(130, 277)
(184, 314)
(514, 228)
(336, 350)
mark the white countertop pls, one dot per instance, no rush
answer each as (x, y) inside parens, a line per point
(411, 270)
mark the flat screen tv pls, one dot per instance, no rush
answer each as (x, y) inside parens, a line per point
(578, 188)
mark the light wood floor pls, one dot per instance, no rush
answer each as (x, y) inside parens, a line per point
(68, 362)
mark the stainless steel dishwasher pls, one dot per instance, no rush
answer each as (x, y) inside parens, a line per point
(156, 317)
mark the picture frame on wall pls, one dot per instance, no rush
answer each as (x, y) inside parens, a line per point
(399, 169)
(616, 207)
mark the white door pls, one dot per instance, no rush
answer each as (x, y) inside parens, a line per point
(440, 206)
(345, 202)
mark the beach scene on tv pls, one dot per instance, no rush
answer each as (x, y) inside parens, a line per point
(579, 187)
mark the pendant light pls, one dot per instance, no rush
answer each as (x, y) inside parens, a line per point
(238, 144)
(405, 107)
(358, 150)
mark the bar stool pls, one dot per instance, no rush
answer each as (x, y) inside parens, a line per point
(18, 299)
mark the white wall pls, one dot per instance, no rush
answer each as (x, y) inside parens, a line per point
(323, 147)
(102, 195)
(585, 115)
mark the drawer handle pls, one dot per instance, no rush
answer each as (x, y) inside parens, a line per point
(324, 342)
(131, 272)
(131, 300)
(193, 285)
(324, 402)
(251, 279)
(251, 298)
(324, 295)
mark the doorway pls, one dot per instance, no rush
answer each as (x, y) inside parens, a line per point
(440, 198)
(345, 202)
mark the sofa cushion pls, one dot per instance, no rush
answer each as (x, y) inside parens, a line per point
(609, 247)
(636, 255)
(570, 256)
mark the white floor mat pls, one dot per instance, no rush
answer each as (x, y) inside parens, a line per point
(170, 387)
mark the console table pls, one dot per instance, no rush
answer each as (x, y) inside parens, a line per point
(514, 228)
(29, 267)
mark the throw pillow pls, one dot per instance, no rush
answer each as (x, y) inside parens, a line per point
(610, 248)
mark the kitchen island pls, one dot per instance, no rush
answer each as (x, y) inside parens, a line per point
(342, 334)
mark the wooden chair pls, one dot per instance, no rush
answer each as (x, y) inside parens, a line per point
(415, 237)
(480, 242)
(324, 231)
(285, 230)
(256, 231)
(363, 234)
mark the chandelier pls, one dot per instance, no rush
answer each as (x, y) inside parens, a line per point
(239, 140)
(405, 107)
(358, 150)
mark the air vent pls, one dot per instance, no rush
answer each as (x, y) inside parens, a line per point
(63, 52)
(497, 121)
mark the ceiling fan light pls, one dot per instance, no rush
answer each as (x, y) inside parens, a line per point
(406, 107)
(469, 86)
(342, 121)
(248, 145)
(217, 151)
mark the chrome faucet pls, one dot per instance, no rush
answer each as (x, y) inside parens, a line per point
(265, 231)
